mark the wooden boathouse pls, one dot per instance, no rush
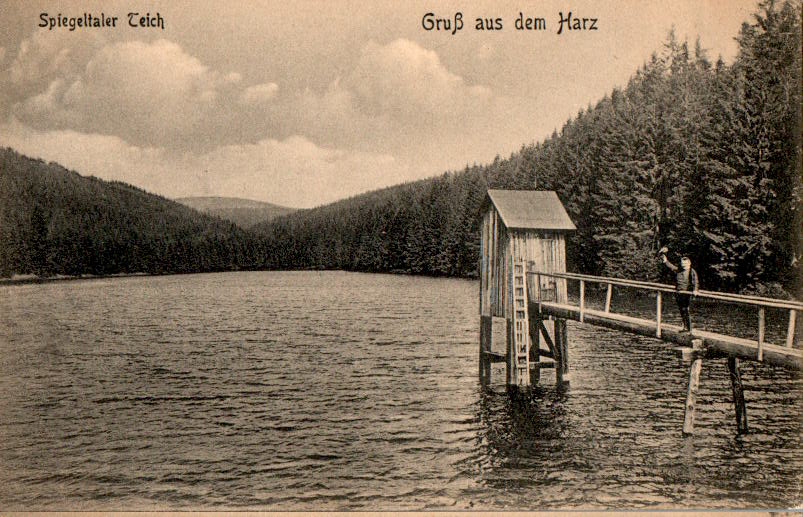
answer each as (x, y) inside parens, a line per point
(520, 227)
(523, 281)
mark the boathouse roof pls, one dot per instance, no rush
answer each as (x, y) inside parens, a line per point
(530, 209)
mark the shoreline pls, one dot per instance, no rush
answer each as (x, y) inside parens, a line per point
(33, 279)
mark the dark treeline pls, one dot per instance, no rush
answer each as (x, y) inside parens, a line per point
(54, 221)
(697, 155)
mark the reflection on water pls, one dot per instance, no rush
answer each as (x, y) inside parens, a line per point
(327, 391)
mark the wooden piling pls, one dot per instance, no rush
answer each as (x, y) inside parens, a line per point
(760, 334)
(535, 349)
(691, 393)
(560, 350)
(561, 336)
(658, 315)
(511, 354)
(738, 395)
(486, 343)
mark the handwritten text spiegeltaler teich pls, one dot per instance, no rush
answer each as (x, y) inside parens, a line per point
(102, 21)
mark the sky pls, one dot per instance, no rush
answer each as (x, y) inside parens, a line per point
(304, 103)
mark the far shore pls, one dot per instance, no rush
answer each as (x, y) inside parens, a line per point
(35, 279)
(772, 290)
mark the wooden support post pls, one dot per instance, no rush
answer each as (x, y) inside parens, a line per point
(535, 349)
(738, 395)
(511, 354)
(557, 350)
(486, 343)
(790, 332)
(538, 291)
(608, 299)
(547, 339)
(582, 300)
(691, 393)
(761, 333)
(561, 328)
(658, 315)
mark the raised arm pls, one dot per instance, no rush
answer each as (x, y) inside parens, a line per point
(668, 264)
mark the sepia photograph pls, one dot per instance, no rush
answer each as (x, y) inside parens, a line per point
(420, 256)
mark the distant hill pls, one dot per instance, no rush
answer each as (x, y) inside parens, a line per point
(700, 156)
(55, 221)
(244, 212)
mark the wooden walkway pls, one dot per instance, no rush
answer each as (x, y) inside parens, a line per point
(715, 344)
(695, 346)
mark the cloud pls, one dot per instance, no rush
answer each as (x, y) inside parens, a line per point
(405, 79)
(148, 94)
(46, 56)
(293, 172)
(259, 93)
(144, 93)
(151, 114)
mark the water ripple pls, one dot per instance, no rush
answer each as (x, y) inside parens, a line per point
(343, 391)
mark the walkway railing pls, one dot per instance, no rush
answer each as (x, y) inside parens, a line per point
(758, 302)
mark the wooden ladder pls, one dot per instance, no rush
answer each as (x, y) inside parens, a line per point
(521, 331)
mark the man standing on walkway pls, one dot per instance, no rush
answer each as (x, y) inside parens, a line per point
(685, 281)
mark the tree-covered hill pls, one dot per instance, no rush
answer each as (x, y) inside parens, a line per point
(54, 221)
(701, 156)
(245, 213)
(698, 155)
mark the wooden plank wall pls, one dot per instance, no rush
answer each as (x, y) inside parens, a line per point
(489, 267)
(499, 248)
(547, 251)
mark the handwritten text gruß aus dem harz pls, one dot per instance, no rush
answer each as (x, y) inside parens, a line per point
(454, 23)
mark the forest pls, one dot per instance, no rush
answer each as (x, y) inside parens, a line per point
(57, 222)
(693, 153)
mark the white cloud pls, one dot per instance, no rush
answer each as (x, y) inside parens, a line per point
(148, 94)
(145, 93)
(259, 93)
(404, 79)
(293, 172)
(157, 117)
(47, 56)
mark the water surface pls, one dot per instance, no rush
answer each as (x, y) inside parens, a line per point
(346, 391)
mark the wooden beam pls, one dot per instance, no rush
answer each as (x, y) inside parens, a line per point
(561, 328)
(494, 357)
(691, 396)
(582, 300)
(546, 353)
(608, 298)
(658, 315)
(535, 349)
(761, 333)
(548, 339)
(511, 354)
(738, 395)
(791, 358)
(790, 331)
(558, 351)
(486, 340)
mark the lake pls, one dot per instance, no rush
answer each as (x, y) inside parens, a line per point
(348, 391)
